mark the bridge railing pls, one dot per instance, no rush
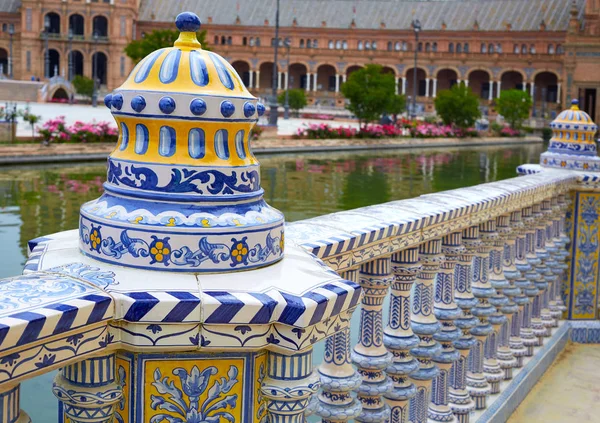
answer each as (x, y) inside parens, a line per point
(473, 272)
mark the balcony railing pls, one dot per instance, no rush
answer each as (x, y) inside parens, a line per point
(476, 270)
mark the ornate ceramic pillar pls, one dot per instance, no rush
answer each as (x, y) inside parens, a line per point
(502, 254)
(563, 251)
(527, 284)
(288, 387)
(338, 379)
(552, 266)
(10, 410)
(477, 383)
(539, 330)
(460, 400)
(492, 240)
(446, 311)
(424, 325)
(514, 258)
(398, 335)
(88, 390)
(370, 355)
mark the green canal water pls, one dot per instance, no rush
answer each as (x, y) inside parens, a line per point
(38, 200)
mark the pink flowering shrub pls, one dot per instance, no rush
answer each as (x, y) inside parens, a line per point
(56, 130)
(509, 132)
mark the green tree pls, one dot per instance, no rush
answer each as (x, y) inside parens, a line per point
(30, 118)
(296, 98)
(458, 106)
(136, 50)
(371, 93)
(83, 85)
(514, 106)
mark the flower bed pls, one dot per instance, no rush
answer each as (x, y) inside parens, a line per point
(56, 130)
(413, 129)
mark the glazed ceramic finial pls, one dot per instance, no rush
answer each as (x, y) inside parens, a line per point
(183, 189)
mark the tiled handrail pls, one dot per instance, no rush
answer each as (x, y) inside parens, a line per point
(345, 240)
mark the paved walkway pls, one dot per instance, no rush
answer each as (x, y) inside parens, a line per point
(73, 113)
(568, 392)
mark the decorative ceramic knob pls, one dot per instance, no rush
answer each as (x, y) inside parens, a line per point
(183, 189)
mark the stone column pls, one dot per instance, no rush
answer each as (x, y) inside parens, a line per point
(446, 311)
(344, 78)
(250, 75)
(396, 85)
(286, 77)
(540, 267)
(315, 81)
(466, 82)
(460, 400)
(499, 83)
(278, 80)
(530, 275)
(404, 85)
(398, 335)
(477, 384)
(10, 406)
(338, 378)
(532, 89)
(558, 94)
(308, 79)
(370, 355)
(288, 387)
(257, 79)
(434, 87)
(524, 86)
(337, 83)
(491, 91)
(88, 390)
(492, 240)
(424, 325)
(426, 87)
(514, 254)
(505, 246)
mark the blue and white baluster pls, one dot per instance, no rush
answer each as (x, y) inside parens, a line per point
(89, 390)
(477, 384)
(550, 263)
(447, 312)
(491, 367)
(424, 325)
(563, 251)
(289, 386)
(398, 335)
(527, 283)
(460, 400)
(514, 255)
(10, 409)
(370, 355)
(338, 377)
(539, 330)
(503, 253)
(556, 266)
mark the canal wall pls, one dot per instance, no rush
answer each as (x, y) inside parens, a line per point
(62, 153)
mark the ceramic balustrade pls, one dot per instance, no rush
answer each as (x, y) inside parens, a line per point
(10, 405)
(537, 323)
(446, 311)
(460, 401)
(550, 276)
(370, 355)
(399, 337)
(558, 266)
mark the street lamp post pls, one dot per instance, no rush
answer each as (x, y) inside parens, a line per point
(416, 28)
(286, 106)
(11, 32)
(273, 104)
(70, 54)
(47, 51)
(95, 70)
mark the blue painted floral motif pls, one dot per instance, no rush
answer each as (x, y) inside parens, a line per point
(95, 238)
(160, 250)
(239, 252)
(184, 180)
(185, 402)
(101, 278)
(122, 381)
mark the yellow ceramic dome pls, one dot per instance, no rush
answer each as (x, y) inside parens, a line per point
(574, 125)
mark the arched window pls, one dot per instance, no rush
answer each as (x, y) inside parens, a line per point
(434, 47)
(330, 45)
(420, 47)
(308, 44)
(483, 48)
(550, 48)
(244, 41)
(252, 43)
(223, 40)
(451, 48)
(100, 26)
(338, 44)
(532, 49)
(397, 46)
(52, 23)
(559, 49)
(389, 46)
(77, 24)
(367, 45)
(229, 41)
(345, 45)
(516, 49)
(315, 43)
(404, 46)
(466, 48)
(498, 48)
(374, 45)
(459, 48)
(427, 47)
(523, 49)
(257, 41)
(216, 39)
(302, 43)
(490, 48)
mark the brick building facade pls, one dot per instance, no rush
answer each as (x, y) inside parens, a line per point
(551, 48)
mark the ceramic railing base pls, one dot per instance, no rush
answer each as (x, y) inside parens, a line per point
(513, 392)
